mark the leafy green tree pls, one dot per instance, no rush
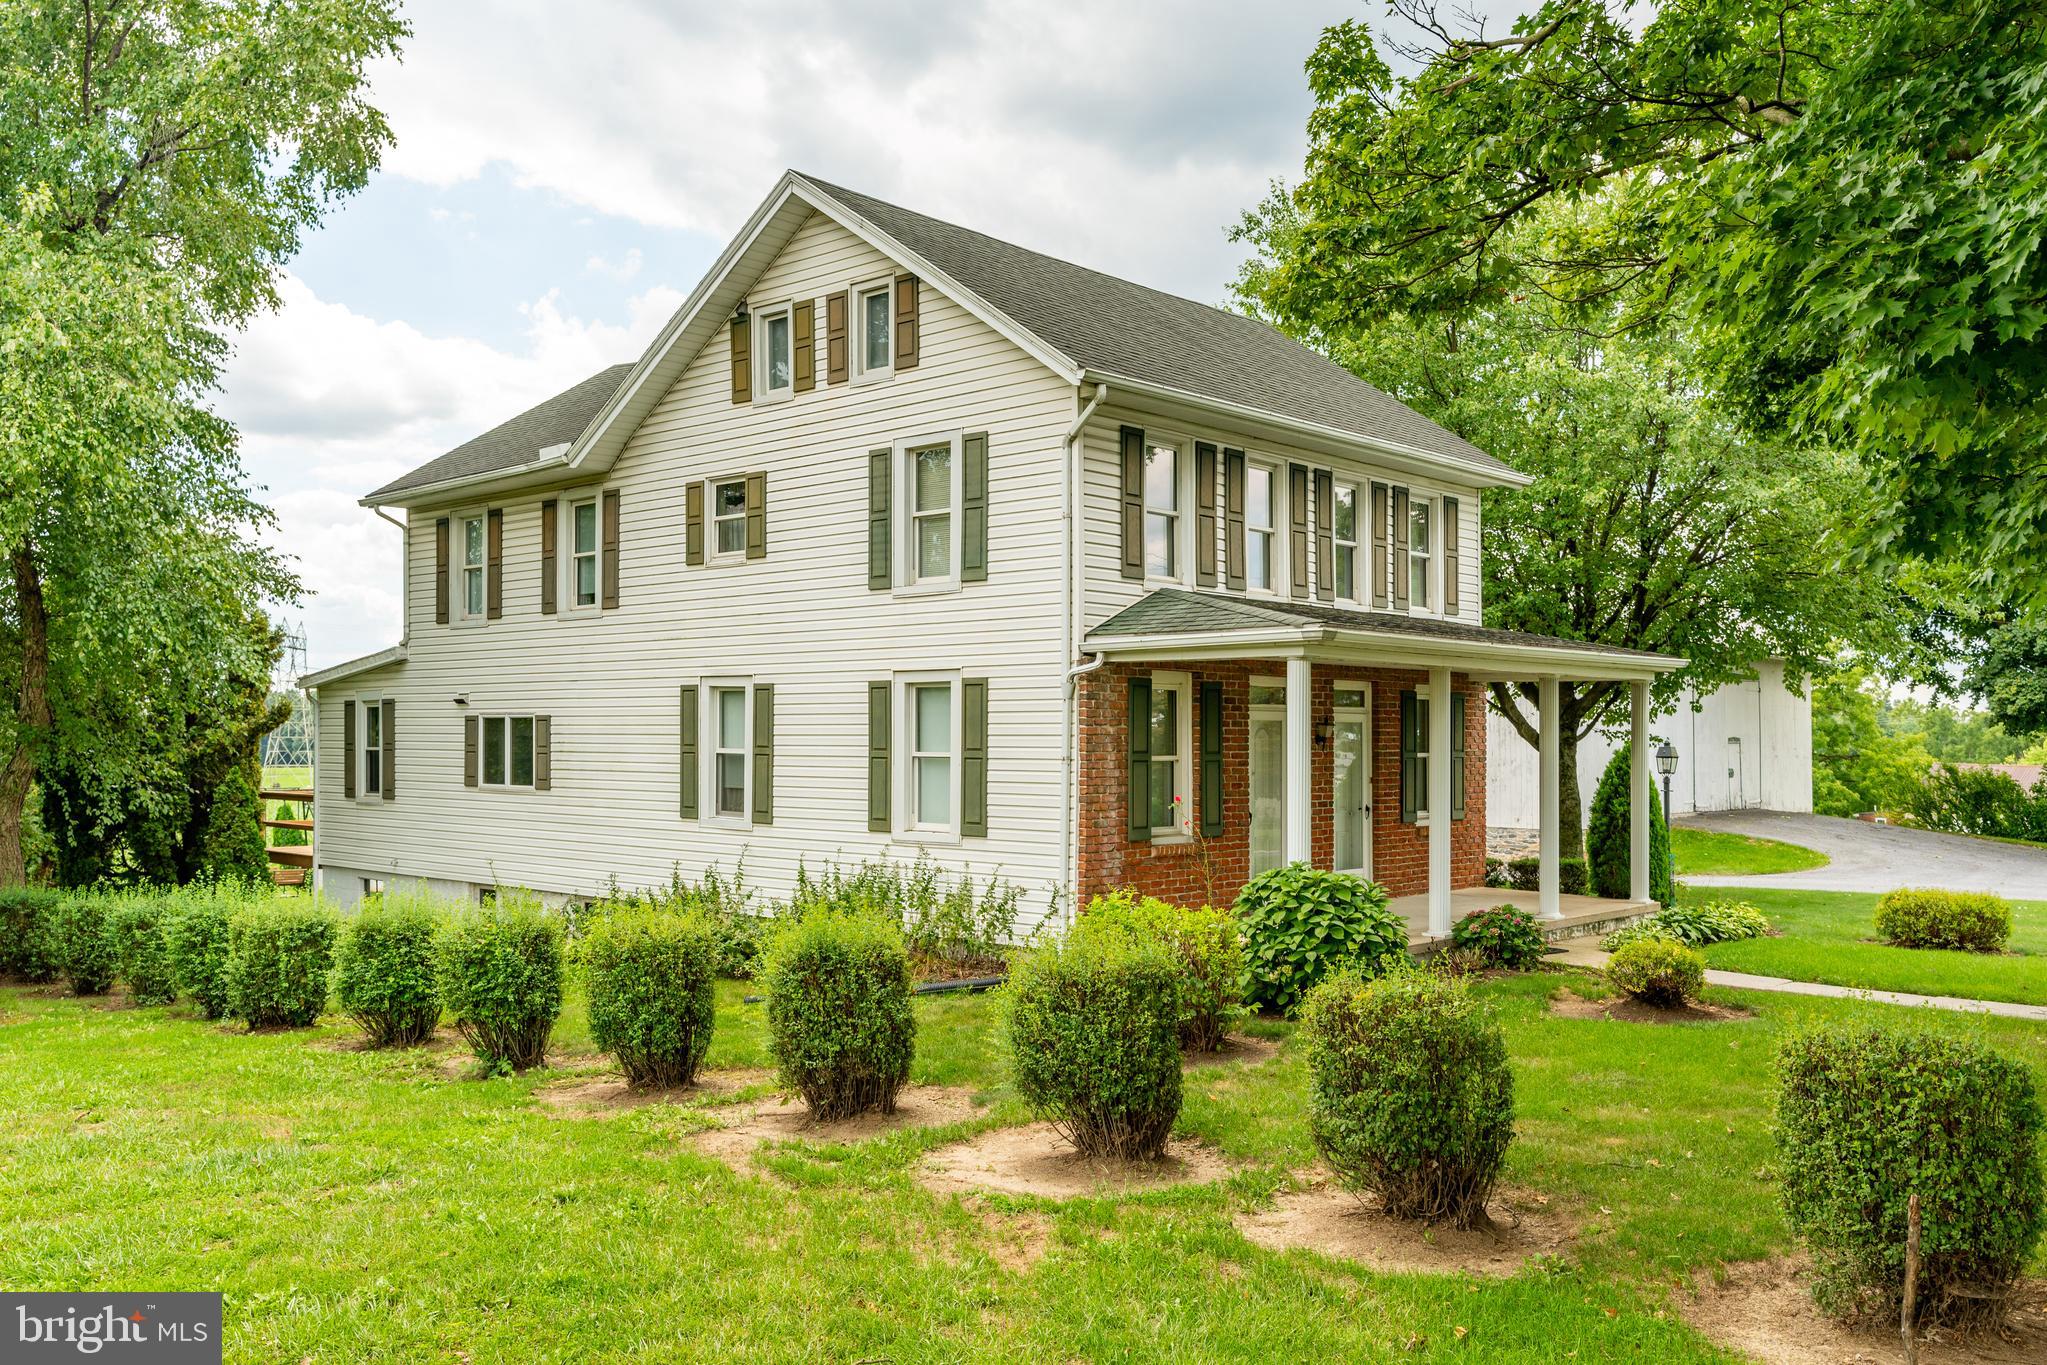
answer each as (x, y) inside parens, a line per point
(1841, 200)
(233, 846)
(1950, 734)
(1856, 765)
(1610, 843)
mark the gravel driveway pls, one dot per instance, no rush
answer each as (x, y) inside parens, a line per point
(1868, 857)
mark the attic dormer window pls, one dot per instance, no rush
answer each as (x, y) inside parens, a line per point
(776, 377)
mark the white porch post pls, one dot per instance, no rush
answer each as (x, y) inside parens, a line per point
(1300, 751)
(1439, 802)
(1549, 881)
(1638, 795)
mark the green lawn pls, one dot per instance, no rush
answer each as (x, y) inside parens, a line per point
(361, 1207)
(1719, 853)
(1824, 937)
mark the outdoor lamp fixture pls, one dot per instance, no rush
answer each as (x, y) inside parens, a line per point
(741, 315)
(1666, 763)
(1324, 729)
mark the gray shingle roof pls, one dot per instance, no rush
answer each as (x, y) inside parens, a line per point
(1178, 611)
(1112, 326)
(518, 441)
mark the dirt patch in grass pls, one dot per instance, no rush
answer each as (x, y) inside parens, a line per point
(744, 1127)
(1570, 1005)
(1237, 1047)
(1017, 1238)
(1035, 1160)
(600, 1097)
(1335, 1222)
(1765, 1309)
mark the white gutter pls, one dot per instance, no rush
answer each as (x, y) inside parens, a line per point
(1073, 603)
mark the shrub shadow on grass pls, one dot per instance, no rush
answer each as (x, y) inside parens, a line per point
(600, 1097)
(1328, 1219)
(743, 1128)
(1035, 1160)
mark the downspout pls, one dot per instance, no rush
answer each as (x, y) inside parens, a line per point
(1073, 590)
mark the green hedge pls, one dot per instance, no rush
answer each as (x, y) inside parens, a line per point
(1525, 874)
(1410, 1095)
(1974, 921)
(1657, 971)
(499, 969)
(653, 993)
(384, 971)
(279, 955)
(1093, 1028)
(142, 952)
(1609, 838)
(1866, 1117)
(1301, 924)
(1207, 945)
(86, 944)
(839, 1019)
(196, 938)
(1502, 936)
(31, 947)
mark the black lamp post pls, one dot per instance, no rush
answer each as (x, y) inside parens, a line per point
(1666, 763)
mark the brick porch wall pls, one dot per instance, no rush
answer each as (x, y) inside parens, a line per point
(1211, 871)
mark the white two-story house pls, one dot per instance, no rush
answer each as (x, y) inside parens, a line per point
(901, 538)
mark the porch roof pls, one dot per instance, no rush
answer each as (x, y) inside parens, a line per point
(1175, 623)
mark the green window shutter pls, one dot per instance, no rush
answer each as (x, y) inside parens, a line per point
(1140, 760)
(1204, 514)
(1400, 570)
(836, 354)
(974, 508)
(1381, 502)
(1451, 527)
(909, 326)
(348, 748)
(756, 516)
(1297, 527)
(1133, 502)
(803, 322)
(693, 522)
(547, 574)
(877, 757)
(974, 757)
(610, 548)
(742, 360)
(1457, 755)
(1412, 774)
(1233, 519)
(493, 573)
(692, 785)
(1325, 535)
(763, 753)
(440, 571)
(543, 753)
(471, 725)
(1211, 760)
(880, 568)
(389, 721)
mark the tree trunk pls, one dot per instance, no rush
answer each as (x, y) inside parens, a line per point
(31, 713)
(1570, 806)
(1508, 699)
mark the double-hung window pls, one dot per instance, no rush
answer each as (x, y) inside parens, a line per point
(1420, 553)
(1344, 545)
(775, 363)
(1171, 731)
(584, 548)
(472, 590)
(731, 746)
(728, 518)
(930, 475)
(507, 751)
(1261, 527)
(372, 729)
(1161, 511)
(874, 321)
(933, 729)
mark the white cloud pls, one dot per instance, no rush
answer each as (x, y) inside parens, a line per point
(621, 270)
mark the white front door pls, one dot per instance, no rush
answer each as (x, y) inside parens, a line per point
(1268, 776)
(1352, 808)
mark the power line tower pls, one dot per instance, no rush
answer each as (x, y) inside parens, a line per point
(291, 744)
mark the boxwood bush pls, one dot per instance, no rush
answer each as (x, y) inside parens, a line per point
(499, 969)
(1301, 923)
(1976, 921)
(839, 1020)
(142, 953)
(279, 955)
(652, 981)
(30, 944)
(1868, 1116)
(86, 944)
(1410, 1096)
(384, 970)
(195, 936)
(1503, 936)
(1657, 971)
(1093, 1027)
(1205, 942)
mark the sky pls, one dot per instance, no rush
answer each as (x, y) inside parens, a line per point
(564, 173)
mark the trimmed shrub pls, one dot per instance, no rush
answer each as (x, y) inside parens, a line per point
(1525, 874)
(279, 955)
(196, 936)
(1410, 1096)
(30, 944)
(1301, 923)
(232, 848)
(1657, 971)
(1504, 936)
(1204, 942)
(86, 944)
(1609, 839)
(142, 954)
(1868, 1116)
(839, 1020)
(1093, 1028)
(652, 985)
(1976, 921)
(499, 969)
(1694, 925)
(384, 971)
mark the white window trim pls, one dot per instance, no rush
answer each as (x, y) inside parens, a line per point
(1183, 514)
(707, 745)
(712, 554)
(1276, 561)
(1360, 541)
(902, 758)
(565, 537)
(1432, 572)
(458, 566)
(761, 316)
(904, 531)
(483, 782)
(1362, 714)
(856, 330)
(1182, 686)
(363, 749)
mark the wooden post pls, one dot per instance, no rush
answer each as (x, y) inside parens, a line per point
(1910, 1307)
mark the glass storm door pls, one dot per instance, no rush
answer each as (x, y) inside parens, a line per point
(1352, 808)
(1268, 779)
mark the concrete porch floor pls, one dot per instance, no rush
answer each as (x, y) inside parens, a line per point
(1582, 914)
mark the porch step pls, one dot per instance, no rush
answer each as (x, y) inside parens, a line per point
(1584, 916)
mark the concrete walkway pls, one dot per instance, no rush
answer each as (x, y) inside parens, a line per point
(1588, 955)
(1871, 857)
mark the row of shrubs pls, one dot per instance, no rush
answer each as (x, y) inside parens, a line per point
(1694, 925)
